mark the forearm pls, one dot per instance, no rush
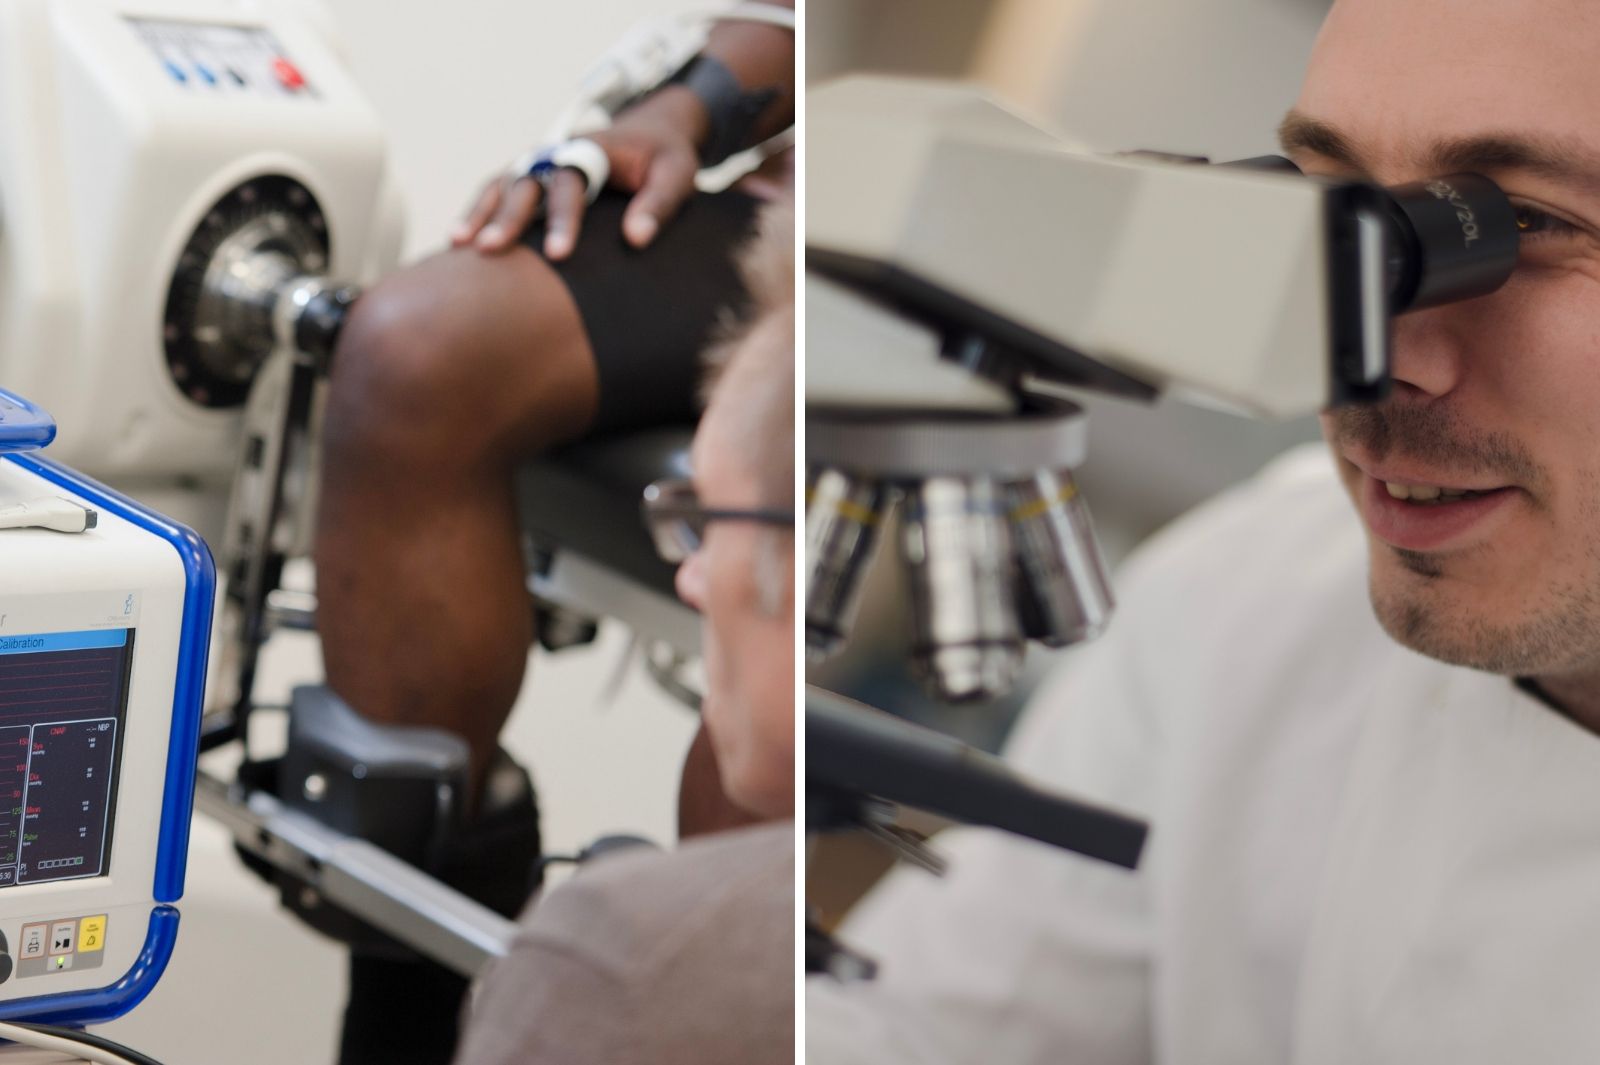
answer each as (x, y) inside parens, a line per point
(758, 55)
(761, 56)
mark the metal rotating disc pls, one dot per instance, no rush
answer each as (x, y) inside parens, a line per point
(217, 329)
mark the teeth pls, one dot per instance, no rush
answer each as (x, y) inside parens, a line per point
(1427, 493)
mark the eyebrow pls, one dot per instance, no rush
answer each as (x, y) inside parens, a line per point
(1548, 157)
(1299, 132)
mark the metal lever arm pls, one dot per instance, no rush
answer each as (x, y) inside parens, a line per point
(361, 878)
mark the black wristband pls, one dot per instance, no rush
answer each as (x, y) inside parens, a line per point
(731, 112)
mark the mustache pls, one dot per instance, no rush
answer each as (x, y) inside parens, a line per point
(1432, 435)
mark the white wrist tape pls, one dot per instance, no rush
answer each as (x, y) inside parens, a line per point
(580, 154)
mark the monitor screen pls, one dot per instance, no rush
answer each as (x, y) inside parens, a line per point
(63, 700)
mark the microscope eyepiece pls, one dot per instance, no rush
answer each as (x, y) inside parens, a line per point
(1450, 239)
(1447, 239)
(1402, 248)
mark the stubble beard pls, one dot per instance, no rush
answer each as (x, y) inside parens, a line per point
(1419, 611)
(1415, 595)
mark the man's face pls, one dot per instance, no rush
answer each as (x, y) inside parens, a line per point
(1500, 394)
(742, 582)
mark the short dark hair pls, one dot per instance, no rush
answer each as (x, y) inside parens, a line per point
(762, 344)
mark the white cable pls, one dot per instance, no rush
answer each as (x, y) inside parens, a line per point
(771, 14)
(48, 512)
(647, 55)
(70, 1047)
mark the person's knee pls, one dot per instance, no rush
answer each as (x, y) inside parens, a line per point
(396, 374)
(455, 352)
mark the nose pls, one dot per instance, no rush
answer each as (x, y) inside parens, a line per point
(690, 580)
(1427, 352)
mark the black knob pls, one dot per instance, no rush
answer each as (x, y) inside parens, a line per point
(316, 331)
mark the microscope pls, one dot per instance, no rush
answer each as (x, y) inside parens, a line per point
(968, 272)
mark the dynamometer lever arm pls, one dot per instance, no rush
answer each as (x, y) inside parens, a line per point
(307, 315)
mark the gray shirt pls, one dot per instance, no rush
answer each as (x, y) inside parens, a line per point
(648, 957)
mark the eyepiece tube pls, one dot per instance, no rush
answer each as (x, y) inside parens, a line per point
(1451, 238)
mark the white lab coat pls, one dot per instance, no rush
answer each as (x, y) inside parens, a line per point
(1358, 855)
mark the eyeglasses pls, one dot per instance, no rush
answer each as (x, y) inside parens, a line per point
(677, 522)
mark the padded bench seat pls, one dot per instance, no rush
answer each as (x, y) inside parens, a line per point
(585, 498)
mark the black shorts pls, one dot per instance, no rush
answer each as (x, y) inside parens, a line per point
(651, 313)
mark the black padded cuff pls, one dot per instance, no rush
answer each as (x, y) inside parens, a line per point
(732, 112)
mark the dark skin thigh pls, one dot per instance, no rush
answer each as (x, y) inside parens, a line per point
(449, 374)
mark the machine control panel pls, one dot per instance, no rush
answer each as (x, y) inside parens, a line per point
(59, 944)
(221, 58)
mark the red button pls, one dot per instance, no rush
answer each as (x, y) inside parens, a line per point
(288, 74)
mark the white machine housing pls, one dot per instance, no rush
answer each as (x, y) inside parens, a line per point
(115, 576)
(1173, 274)
(108, 163)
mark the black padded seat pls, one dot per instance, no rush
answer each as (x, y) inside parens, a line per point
(586, 497)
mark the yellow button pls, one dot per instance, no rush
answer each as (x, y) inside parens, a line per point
(91, 934)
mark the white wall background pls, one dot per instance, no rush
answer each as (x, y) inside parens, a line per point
(463, 88)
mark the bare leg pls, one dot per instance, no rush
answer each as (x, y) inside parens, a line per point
(448, 374)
